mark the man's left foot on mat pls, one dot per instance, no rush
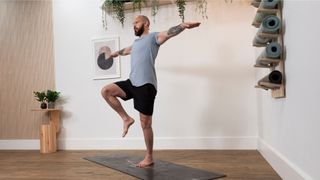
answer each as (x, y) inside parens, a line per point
(145, 163)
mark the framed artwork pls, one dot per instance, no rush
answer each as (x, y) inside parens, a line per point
(104, 67)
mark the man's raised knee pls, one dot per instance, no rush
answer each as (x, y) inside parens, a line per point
(105, 91)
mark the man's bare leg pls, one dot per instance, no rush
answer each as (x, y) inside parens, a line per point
(146, 122)
(110, 94)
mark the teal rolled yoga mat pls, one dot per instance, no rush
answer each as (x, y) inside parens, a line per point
(265, 4)
(272, 51)
(274, 77)
(271, 25)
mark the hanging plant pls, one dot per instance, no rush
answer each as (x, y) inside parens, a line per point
(181, 8)
(138, 4)
(154, 7)
(116, 6)
(202, 8)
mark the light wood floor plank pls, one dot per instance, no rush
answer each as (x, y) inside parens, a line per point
(70, 165)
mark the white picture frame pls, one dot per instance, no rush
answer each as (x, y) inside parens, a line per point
(102, 68)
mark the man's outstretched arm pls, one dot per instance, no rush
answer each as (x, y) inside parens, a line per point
(173, 31)
(122, 52)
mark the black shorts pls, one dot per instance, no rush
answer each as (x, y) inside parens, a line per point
(143, 96)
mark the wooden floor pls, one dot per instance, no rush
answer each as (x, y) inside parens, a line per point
(70, 165)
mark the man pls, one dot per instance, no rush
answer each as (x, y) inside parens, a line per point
(142, 83)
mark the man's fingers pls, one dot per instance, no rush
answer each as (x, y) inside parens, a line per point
(192, 25)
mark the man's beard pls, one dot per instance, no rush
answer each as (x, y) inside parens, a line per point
(139, 32)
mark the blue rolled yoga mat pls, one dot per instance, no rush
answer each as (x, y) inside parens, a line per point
(271, 25)
(264, 4)
(274, 77)
(272, 51)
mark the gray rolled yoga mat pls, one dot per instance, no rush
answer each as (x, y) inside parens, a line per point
(272, 51)
(274, 77)
(265, 4)
(270, 25)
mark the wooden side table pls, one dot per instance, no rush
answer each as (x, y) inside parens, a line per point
(48, 132)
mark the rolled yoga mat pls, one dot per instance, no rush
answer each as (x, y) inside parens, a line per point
(265, 4)
(271, 25)
(255, 3)
(274, 77)
(272, 51)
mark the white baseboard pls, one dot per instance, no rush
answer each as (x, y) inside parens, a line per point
(284, 167)
(20, 144)
(138, 143)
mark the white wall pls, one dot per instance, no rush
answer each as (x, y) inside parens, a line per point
(289, 128)
(205, 95)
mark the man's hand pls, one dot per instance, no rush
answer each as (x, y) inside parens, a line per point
(190, 25)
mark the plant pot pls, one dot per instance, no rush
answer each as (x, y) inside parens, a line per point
(43, 105)
(51, 105)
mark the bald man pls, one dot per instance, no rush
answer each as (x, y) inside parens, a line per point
(142, 83)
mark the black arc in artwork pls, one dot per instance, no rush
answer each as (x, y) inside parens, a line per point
(104, 63)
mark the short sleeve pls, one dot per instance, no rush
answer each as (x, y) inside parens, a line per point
(155, 34)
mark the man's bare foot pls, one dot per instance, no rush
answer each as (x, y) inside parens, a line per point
(126, 125)
(148, 161)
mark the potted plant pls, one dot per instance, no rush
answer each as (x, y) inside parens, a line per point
(41, 97)
(51, 98)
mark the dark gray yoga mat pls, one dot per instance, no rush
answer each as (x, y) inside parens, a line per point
(161, 170)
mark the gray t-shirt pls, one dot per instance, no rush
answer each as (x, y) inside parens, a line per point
(143, 54)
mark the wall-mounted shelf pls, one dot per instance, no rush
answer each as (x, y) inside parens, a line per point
(267, 86)
(269, 60)
(267, 11)
(261, 66)
(268, 35)
(277, 90)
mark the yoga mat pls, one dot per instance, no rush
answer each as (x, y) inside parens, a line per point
(161, 170)
(265, 4)
(268, 4)
(271, 25)
(272, 51)
(274, 77)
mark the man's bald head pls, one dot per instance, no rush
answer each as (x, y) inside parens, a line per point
(145, 19)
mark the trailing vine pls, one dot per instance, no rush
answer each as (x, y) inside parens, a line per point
(155, 7)
(181, 8)
(116, 6)
(202, 8)
(138, 4)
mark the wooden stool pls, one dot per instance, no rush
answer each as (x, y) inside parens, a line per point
(48, 132)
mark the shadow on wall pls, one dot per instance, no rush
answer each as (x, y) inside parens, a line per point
(65, 115)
